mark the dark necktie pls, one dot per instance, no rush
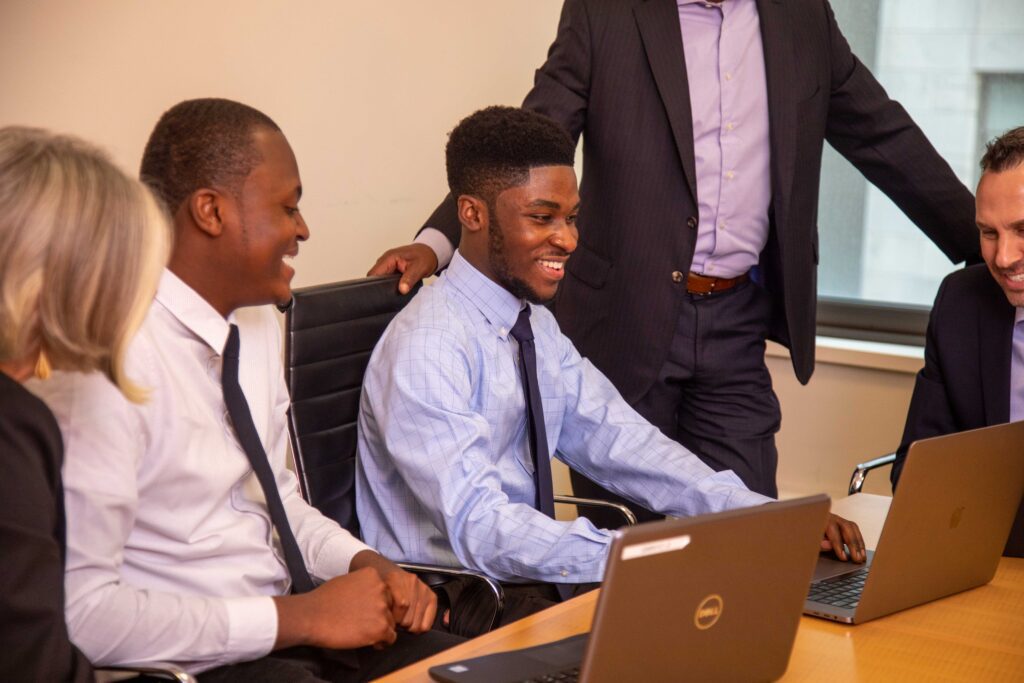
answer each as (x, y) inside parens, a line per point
(522, 331)
(241, 419)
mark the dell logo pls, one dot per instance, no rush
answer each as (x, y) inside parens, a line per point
(708, 612)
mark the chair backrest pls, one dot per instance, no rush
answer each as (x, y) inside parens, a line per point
(330, 332)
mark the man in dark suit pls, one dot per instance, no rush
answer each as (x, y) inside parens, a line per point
(974, 356)
(703, 125)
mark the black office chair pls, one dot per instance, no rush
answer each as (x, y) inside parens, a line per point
(860, 472)
(330, 332)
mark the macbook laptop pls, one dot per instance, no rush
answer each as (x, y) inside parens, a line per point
(715, 597)
(945, 531)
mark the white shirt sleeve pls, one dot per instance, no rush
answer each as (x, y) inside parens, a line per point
(436, 240)
(110, 620)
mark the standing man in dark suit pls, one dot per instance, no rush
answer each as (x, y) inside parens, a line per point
(974, 356)
(703, 124)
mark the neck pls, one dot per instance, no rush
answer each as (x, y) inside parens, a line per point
(19, 371)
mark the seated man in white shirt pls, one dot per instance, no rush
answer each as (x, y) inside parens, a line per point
(453, 467)
(184, 544)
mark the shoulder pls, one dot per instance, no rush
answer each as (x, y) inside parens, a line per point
(968, 287)
(25, 416)
(436, 316)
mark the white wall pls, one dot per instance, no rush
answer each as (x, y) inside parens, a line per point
(365, 91)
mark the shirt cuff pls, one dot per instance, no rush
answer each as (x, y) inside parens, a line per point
(252, 627)
(745, 498)
(436, 240)
(336, 556)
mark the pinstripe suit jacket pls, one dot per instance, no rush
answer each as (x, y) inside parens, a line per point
(616, 74)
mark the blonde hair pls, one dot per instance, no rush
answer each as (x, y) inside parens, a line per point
(82, 247)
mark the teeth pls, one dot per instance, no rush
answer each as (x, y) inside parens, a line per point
(554, 265)
(1015, 278)
(287, 257)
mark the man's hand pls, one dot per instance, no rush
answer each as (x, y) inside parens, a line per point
(414, 261)
(347, 612)
(839, 531)
(414, 605)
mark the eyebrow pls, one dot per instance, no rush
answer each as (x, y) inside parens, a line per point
(1016, 225)
(548, 204)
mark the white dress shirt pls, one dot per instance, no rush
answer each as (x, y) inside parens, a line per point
(170, 551)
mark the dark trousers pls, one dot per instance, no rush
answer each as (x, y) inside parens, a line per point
(472, 605)
(713, 395)
(314, 665)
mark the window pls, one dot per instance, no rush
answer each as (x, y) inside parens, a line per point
(957, 67)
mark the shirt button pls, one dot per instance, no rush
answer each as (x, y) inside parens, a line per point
(502, 331)
(564, 573)
(677, 276)
(721, 224)
(730, 175)
(691, 222)
(728, 75)
(730, 126)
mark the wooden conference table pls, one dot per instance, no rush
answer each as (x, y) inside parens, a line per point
(977, 635)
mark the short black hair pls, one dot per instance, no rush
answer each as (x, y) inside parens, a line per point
(201, 143)
(1004, 152)
(495, 148)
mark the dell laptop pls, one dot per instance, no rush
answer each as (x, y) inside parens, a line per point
(945, 531)
(710, 598)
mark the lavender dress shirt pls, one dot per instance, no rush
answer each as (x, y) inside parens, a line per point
(729, 104)
(1017, 368)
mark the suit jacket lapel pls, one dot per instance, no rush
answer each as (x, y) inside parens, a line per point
(779, 65)
(995, 344)
(658, 21)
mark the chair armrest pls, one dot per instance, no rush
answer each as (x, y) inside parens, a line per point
(594, 502)
(860, 473)
(165, 671)
(457, 572)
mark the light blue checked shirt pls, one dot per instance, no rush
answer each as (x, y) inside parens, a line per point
(445, 474)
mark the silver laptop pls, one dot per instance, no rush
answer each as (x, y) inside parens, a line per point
(707, 598)
(945, 531)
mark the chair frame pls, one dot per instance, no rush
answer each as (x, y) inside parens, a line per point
(860, 472)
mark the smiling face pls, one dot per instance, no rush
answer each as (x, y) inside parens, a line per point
(269, 226)
(531, 232)
(1000, 219)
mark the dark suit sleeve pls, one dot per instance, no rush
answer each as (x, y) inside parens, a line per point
(560, 91)
(931, 412)
(877, 136)
(32, 627)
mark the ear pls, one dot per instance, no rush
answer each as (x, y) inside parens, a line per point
(473, 213)
(206, 207)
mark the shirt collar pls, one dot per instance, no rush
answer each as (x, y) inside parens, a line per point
(498, 305)
(193, 311)
(1018, 315)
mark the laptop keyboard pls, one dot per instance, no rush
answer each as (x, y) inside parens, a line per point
(571, 675)
(840, 592)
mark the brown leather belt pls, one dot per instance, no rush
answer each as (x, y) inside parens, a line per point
(703, 284)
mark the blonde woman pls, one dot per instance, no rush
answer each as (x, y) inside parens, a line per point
(81, 249)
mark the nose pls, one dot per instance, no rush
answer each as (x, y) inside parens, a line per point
(302, 230)
(1009, 250)
(565, 237)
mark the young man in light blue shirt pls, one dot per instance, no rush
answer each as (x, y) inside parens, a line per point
(453, 467)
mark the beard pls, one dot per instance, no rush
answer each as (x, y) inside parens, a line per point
(498, 261)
